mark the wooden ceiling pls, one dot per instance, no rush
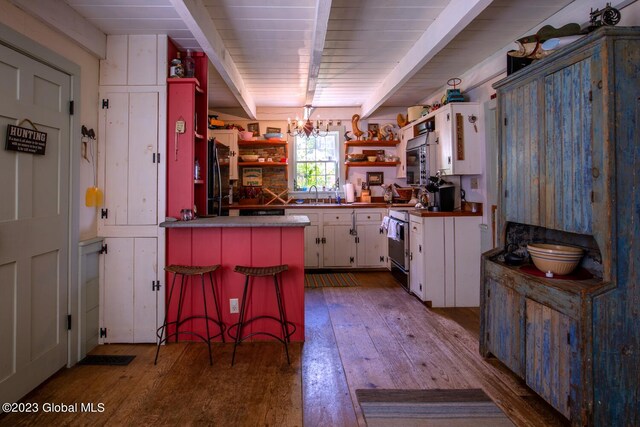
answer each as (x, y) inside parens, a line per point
(328, 53)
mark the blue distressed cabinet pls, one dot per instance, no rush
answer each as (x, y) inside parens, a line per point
(569, 163)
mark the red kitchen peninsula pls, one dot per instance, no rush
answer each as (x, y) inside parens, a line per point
(247, 241)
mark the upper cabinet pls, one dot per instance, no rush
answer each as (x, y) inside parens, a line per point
(228, 138)
(456, 147)
(131, 135)
(459, 141)
(547, 135)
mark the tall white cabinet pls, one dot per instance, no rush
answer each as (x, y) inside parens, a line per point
(132, 174)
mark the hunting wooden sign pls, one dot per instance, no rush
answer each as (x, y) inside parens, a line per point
(25, 140)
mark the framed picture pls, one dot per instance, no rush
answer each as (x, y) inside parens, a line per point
(274, 130)
(375, 178)
(251, 177)
(254, 127)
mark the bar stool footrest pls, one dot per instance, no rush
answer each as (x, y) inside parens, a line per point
(248, 321)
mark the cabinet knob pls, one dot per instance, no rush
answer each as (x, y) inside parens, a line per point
(368, 216)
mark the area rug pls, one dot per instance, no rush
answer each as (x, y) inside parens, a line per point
(433, 408)
(321, 280)
(106, 359)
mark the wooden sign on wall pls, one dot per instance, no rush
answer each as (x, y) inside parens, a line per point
(25, 140)
(459, 137)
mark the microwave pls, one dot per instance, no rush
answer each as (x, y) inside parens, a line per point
(417, 160)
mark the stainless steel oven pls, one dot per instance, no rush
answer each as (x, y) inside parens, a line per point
(398, 241)
(418, 160)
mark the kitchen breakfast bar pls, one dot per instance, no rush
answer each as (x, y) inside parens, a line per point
(240, 241)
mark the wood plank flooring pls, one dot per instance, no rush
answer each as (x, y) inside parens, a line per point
(374, 335)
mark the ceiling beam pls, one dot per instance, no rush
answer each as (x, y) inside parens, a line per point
(451, 21)
(63, 18)
(323, 9)
(197, 19)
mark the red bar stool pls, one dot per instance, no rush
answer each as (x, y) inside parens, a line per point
(184, 271)
(282, 319)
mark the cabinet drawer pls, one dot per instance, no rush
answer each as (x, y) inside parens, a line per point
(369, 216)
(334, 217)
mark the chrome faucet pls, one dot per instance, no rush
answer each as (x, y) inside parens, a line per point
(316, 188)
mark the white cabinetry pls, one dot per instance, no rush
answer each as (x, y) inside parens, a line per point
(344, 238)
(371, 241)
(459, 141)
(228, 138)
(339, 240)
(132, 173)
(406, 133)
(445, 260)
(129, 295)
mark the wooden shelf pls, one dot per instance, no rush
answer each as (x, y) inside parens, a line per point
(372, 143)
(363, 164)
(259, 142)
(261, 164)
(373, 164)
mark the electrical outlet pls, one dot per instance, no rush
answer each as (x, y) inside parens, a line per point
(474, 183)
(233, 305)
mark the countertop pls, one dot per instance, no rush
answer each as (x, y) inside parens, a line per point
(241, 221)
(356, 205)
(424, 213)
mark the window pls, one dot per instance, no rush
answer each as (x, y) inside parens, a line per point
(316, 161)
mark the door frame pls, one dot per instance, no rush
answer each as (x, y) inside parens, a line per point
(28, 47)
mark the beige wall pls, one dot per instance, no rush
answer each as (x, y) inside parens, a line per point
(30, 27)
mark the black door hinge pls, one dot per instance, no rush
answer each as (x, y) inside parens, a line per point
(489, 293)
(104, 249)
(420, 249)
(505, 121)
(357, 239)
(568, 338)
(382, 259)
(351, 260)
(381, 230)
(155, 285)
(104, 213)
(156, 158)
(103, 332)
(71, 108)
(68, 322)
(324, 240)
(105, 104)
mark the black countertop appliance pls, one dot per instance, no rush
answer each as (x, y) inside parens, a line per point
(446, 197)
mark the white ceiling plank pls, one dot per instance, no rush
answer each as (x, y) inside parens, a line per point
(451, 21)
(63, 18)
(198, 20)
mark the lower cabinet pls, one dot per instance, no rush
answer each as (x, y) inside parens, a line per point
(445, 260)
(504, 333)
(338, 246)
(344, 238)
(539, 328)
(550, 349)
(129, 290)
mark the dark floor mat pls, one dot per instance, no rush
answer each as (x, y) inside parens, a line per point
(106, 359)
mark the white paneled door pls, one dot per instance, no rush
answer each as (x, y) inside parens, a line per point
(34, 226)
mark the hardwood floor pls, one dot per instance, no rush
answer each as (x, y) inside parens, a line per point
(374, 335)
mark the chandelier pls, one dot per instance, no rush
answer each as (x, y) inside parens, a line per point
(306, 127)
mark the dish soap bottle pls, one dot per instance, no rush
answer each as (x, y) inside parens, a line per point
(189, 65)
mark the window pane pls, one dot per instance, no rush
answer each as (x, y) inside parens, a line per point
(316, 161)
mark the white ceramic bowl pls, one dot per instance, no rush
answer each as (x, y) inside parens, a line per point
(249, 157)
(246, 135)
(557, 259)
